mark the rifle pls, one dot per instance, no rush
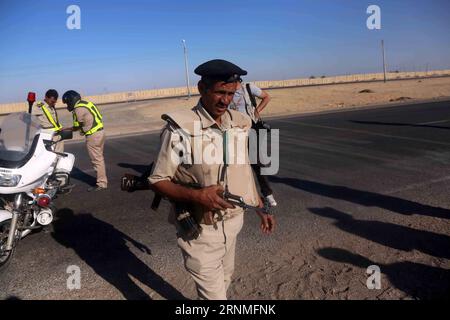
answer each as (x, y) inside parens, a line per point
(239, 201)
(189, 227)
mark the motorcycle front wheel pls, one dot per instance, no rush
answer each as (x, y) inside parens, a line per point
(5, 256)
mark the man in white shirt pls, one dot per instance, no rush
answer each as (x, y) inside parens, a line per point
(242, 101)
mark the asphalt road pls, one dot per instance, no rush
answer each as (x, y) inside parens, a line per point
(355, 188)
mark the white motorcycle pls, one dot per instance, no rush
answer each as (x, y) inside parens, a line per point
(32, 174)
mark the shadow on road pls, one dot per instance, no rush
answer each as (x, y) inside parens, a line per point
(415, 279)
(139, 168)
(396, 124)
(81, 176)
(105, 250)
(388, 234)
(365, 198)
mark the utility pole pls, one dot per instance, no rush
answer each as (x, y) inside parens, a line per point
(384, 59)
(186, 69)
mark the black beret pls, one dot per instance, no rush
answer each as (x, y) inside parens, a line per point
(220, 69)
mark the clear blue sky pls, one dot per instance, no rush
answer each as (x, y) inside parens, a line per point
(131, 45)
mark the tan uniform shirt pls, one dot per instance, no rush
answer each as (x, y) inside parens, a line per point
(85, 117)
(45, 123)
(208, 140)
(39, 113)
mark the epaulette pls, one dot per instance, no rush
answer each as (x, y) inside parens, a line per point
(183, 120)
(40, 104)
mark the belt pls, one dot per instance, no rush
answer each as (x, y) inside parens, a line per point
(94, 132)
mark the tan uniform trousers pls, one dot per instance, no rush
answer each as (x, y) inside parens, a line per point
(95, 144)
(210, 258)
(59, 146)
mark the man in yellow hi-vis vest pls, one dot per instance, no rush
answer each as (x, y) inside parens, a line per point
(87, 119)
(45, 111)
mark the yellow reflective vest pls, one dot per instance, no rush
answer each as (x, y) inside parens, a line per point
(54, 122)
(97, 124)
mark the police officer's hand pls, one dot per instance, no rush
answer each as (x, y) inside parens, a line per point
(211, 198)
(257, 114)
(267, 220)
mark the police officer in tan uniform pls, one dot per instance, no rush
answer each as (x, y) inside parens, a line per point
(195, 166)
(46, 112)
(88, 120)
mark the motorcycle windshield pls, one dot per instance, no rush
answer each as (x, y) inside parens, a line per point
(17, 137)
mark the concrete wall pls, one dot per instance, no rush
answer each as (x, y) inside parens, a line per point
(182, 91)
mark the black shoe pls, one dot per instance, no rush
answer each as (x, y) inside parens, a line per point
(96, 188)
(128, 182)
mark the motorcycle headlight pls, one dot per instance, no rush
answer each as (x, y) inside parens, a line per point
(9, 180)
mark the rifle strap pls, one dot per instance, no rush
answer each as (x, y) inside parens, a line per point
(251, 96)
(223, 172)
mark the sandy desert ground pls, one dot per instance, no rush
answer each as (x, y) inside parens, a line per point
(133, 117)
(332, 97)
(144, 116)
